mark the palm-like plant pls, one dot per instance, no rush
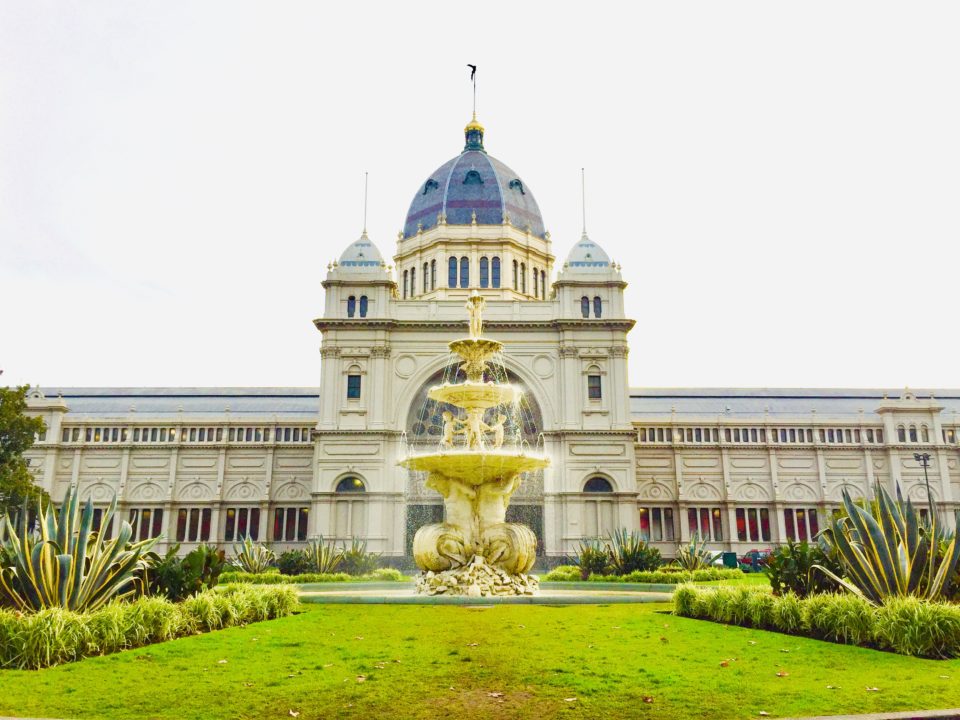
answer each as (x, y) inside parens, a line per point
(251, 557)
(65, 563)
(324, 556)
(695, 556)
(887, 550)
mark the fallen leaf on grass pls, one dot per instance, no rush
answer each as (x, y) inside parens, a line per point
(495, 694)
(870, 689)
(752, 642)
(328, 665)
(663, 639)
(361, 678)
(359, 637)
(764, 713)
(616, 627)
(569, 699)
(944, 677)
(473, 644)
(648, 699)
(248, 684)
(782, 673)
(522, 627)
(833, 687)
(294, 713)
(221, 662)
(724, 663)
(784, 650)
(380, 665)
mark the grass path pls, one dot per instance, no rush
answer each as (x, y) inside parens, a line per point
(513, 661)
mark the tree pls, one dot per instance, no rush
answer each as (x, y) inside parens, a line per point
(17, 434)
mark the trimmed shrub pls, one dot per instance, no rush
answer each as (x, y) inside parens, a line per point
(54, 636)
(355, 560)
(796, 567)
(294, 562)
(563, 573)
(386, 574)
(912, 626)
(906, 625)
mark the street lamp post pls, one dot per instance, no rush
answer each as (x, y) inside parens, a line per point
(924, 460)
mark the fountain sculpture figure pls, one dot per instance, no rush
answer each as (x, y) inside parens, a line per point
(475, 551)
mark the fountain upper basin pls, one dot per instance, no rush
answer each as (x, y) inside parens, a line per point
(476, 467)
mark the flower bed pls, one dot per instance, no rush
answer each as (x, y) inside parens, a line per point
(905, 625)
(54, 636)
(571, 573)
(275, 578)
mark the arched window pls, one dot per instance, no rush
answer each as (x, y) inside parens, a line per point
(484, 272)
(495, 272)
(413, 282)
(452, 273)
(351, 485)
(464, 272)
(406, 279)
(901, 434)
(585, 306)
(363, 306)
(523, 277)
(536, 283)
(433, 274)
(351, 306)
(597, 307)
(426, 277)
(543, 285)
(913, 433)
(516, 276)
(597, 485)
(924, 434)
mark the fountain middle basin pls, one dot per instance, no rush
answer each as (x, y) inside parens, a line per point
(475, 468)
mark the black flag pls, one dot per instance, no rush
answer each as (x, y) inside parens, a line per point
(473, 70)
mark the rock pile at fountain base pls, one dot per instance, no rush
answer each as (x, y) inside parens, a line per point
(476, 579)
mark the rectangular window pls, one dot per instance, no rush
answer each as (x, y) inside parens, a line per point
(353, 386)
(194, 524)
(802, 525)
(594, 391)
(656, 529)
(704, 523)
(765, 524)
(741, 525)
(788, 525)
(814, 523)
(645, 524)
(753, 524)
(181, 525)
(717, 525)
(668, 531)
(229, 524)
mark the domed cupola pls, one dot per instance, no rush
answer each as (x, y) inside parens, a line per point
(473, 187)
(587, 256)
(361, 255)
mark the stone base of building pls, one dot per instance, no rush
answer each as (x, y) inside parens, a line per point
(476, 579)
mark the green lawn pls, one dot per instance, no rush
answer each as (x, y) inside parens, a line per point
(348, 661)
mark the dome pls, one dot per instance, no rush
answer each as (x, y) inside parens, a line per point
(361, 254)
(473, 182)
(587, 256)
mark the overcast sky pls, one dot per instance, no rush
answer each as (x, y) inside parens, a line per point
(779, 181)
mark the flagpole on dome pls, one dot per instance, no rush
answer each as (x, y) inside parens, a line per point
(365, 179)
(583, 200)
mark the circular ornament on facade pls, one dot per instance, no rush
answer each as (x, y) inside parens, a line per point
(101, 492)
(543, 366)
(405, 366)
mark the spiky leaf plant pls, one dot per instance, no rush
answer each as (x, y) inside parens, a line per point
(592, 558)
(695, 556)
(324, 556)
(888, 550)
(67, 564)
(251, 557)
(628, 552)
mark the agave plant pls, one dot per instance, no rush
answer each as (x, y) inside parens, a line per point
(324, 556)
(628, 552)
(592, 557)
(887, 550)
(695, 556)
(65, 563)
(251, 557)
(357, 561)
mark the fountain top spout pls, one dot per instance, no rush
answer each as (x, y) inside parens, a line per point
(475, 304)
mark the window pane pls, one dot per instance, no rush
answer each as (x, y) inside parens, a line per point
(597, 307)
(645, 524)
(801, 525)
(353, 386)
(351, 306)
(788, 525)
(704, 523)
(181, 525)
(717, 525)
(585, 306)
(452, 274)
(194, 524)
(242, 523)
(302, 525)
(254, 524)
(657, 526)
(464, 272)
(692, 522)
(496, 272)
(291, 528)
(278, 524)
(741, 525)
(765, 524)
(230, 524)
(814, 523)
(363, 305)
(593, 387)
(753, 525)
(484, 272)
(205, 524)
(668, 534)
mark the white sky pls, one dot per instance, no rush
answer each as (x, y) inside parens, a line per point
(780, 181)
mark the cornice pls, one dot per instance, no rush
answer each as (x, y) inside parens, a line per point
(323, 324)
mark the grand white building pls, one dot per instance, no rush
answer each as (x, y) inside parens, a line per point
(744, 468)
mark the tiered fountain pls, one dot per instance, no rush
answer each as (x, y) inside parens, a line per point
(476, 469)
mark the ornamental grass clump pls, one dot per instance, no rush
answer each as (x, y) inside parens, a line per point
(629, 553)
(324, 556)
(68, 564)
(912, 626)
(695, 556)
(787, 613)
(888, 550)
(843, 618)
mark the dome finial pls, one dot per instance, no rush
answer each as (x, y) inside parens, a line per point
(473, 133)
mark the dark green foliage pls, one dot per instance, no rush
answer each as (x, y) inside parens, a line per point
(294, 562)
(17, 435)
(54, 635)
(378, 575)
(178, 578)
(355, 560)
(795, 567)
(906, 625)
(629, 553)
(592, 558)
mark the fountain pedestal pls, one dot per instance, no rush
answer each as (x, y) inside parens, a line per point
(475, 552)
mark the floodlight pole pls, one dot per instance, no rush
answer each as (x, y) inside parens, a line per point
(924, 460)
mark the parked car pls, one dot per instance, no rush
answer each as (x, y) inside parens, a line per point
(756, 559)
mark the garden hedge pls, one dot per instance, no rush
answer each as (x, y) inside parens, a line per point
(274, 578)
(905, 625)
(571, 573)
(54, 635)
